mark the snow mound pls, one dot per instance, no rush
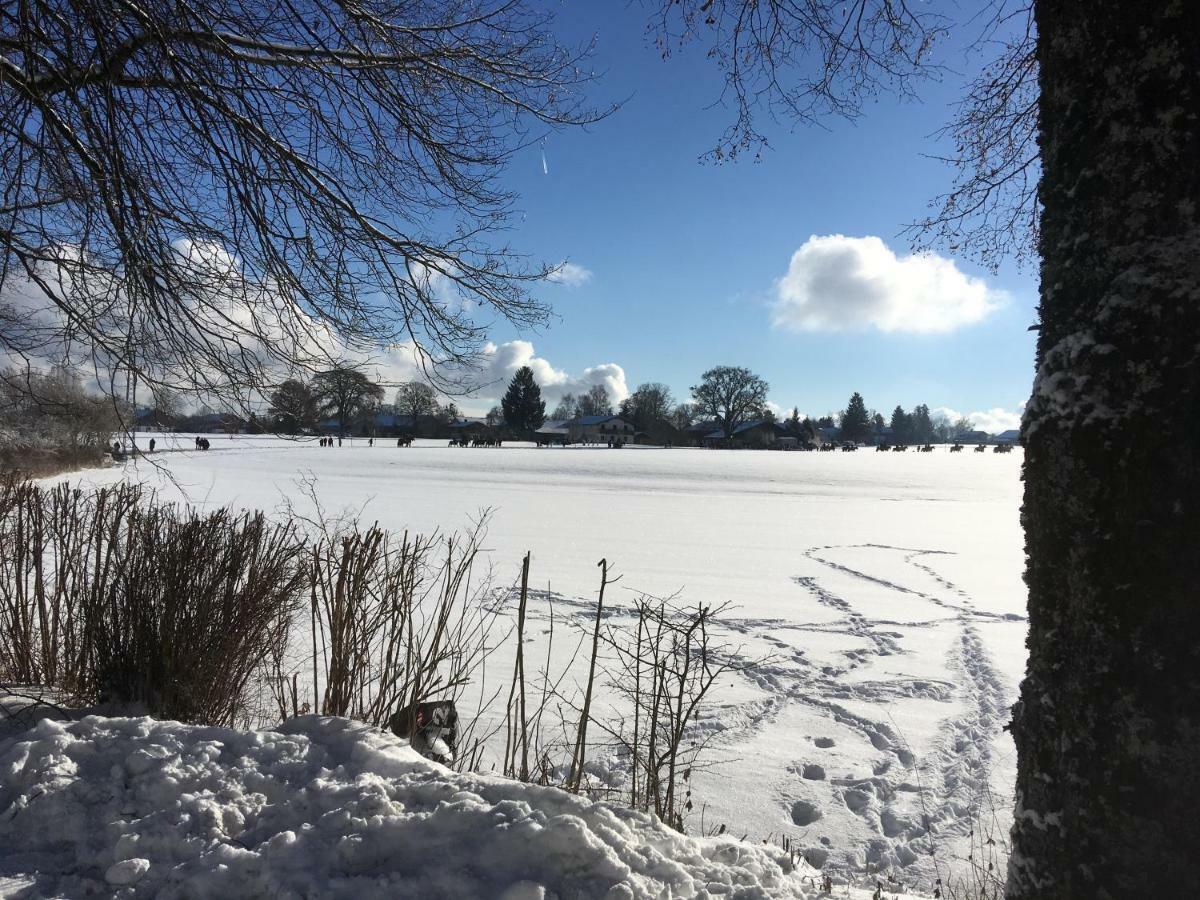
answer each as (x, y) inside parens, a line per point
(324, 806)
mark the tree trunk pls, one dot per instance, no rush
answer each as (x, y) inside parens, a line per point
(1108, 726)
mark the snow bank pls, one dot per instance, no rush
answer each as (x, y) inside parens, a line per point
(328, 807)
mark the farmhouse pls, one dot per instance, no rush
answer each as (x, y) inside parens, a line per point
(554, 430)
(599, 429)
(755, 433)
(972, 437)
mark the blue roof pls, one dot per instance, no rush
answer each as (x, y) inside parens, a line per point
(746, 426)
(592, 420)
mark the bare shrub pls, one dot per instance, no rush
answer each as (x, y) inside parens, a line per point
(666, 672)
(661, 669)
(395, 622)
(50, 423)
(118, 599)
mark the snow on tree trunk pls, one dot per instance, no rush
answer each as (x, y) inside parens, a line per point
(1108, 726)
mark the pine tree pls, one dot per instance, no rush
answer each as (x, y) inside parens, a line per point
(922, 424)
(524, 408)
(856, 426)
(902, 426)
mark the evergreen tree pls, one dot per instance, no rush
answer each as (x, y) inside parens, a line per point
(922, 425)
(856, 425)
(902, 431)
(793, 422)
(524, 408)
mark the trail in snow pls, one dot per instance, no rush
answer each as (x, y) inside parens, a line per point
(914, 801)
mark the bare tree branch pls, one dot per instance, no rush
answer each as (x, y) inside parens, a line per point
(208, 195)
(802, 59)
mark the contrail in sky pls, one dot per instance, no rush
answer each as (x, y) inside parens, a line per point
(545, 168)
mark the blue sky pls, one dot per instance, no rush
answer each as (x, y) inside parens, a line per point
(685, 257)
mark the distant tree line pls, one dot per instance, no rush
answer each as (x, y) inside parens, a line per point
(350, 398)
(50, 422)
(725, 399)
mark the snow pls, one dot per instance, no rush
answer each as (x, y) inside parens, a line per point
(883, 590)
(327, 807)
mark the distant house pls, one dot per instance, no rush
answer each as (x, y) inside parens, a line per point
(881, 434)
(972, 437)
(1012, 436)
(698, 432)
(599, 430)
(555, 431)
(661, 432)
(829, 434)
(469, 428)
(755, 433)
(392, 425)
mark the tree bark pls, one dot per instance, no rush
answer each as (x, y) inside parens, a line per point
(1108, 725)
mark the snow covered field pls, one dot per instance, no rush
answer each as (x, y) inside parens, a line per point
(883, 590)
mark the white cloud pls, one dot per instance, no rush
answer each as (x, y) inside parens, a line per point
(500, 361)
(993, 421)
(256, 320)
(839, 283)
(570, 274)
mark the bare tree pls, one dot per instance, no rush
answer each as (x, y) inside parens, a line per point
(683, 416)
(345, 393)
(416, 399)
(806, 60)
(199, 194)
(49, 421)
(648, 405)
(595, 402)
(567, 408)
(293, 407)
(730, 395)
(991, 211)
(803, 59)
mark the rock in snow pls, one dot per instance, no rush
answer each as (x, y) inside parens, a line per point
(332, 808)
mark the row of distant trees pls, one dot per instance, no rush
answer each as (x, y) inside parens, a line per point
(727, 397)
(857, 423)
(50, 421)
(350, 397)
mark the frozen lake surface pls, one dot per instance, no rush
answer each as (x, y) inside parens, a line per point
(884, 591)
